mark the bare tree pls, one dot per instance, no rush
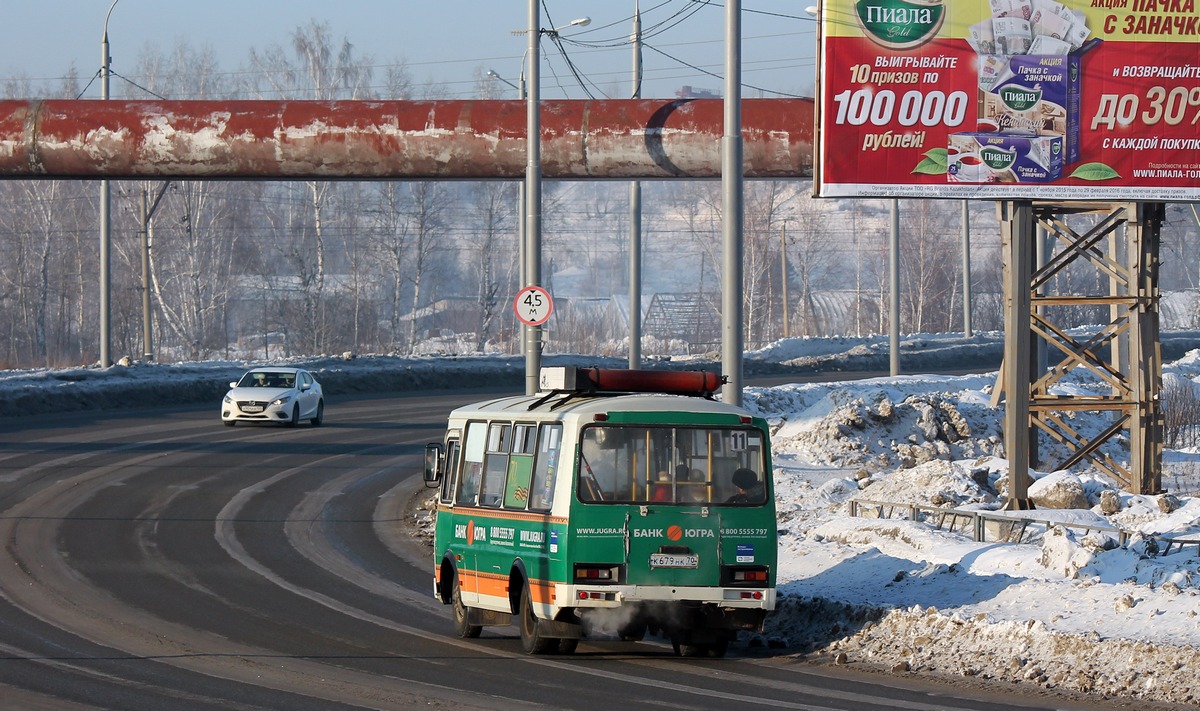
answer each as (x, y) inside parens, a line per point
(490, 247)
(426, 207)
(927, 277)
(818, 250)
(192, 272)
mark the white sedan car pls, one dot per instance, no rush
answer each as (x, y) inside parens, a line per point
(283, 395)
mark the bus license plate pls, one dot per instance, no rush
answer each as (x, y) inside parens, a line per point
(674, 560)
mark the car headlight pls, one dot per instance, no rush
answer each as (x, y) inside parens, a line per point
(282, 400)
(228, 400)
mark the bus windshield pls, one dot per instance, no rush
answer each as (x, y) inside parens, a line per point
(664, 464)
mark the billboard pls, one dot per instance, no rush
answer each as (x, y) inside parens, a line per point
(1072, 100)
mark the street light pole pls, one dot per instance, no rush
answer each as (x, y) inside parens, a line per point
(105, 220)
(732, 207)
(533, 188)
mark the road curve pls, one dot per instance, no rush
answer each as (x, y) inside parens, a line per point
(157, 560)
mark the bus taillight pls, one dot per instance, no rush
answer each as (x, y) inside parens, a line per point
(745, 575)
(593, 573)
(750, 576)
(596, 595)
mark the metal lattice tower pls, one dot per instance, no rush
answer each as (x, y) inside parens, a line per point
(1121, 243)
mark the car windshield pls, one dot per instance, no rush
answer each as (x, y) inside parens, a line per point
(267, 379)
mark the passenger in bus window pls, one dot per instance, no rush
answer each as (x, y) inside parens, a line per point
(663, 490)
(697, 491)
(749, 490)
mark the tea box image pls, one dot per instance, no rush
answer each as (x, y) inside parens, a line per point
(1035, 95)
(1029, 64)
(1004, 158)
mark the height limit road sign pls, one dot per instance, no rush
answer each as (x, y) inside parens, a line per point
(533, 305)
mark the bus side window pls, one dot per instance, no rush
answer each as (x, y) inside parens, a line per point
(495, 467)
(520, 467)
(471, 473)
(450, 477)
(545, 470)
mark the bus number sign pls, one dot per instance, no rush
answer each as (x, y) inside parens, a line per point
(533, 306)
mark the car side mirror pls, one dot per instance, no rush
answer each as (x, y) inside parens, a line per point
(233, 383)
(433, 464)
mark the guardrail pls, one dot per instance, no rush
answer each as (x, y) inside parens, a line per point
(983, 526)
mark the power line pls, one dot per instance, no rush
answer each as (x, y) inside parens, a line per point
(718, 76)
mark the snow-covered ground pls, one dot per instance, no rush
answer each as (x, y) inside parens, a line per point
(1097, 596)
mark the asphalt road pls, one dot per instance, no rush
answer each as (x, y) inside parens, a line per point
(154, 560)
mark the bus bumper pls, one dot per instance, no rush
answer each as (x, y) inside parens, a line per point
(601, 596)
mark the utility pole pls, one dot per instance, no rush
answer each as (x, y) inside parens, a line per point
(966, 267)
(784, 280)
(894, 290)
(635, 215)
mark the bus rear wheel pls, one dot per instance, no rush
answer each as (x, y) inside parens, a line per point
(715, 650)
(462, 627)
(532, 642)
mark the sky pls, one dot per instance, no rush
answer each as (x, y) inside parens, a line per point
(1065, 608)
(448, 42)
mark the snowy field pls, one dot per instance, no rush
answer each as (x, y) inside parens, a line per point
(1095, 591)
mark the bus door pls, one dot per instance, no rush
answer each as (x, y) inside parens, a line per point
(651, 489)
(674, 544)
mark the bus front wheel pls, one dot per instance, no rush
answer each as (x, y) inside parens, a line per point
(462, 627)
(532, 642)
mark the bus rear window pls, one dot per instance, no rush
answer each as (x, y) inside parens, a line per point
(671, 465)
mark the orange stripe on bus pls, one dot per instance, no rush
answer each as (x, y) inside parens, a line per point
(497, 586)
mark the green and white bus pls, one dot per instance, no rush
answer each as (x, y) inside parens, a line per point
(610, 504)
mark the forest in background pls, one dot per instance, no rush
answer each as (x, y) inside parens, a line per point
(269, 269)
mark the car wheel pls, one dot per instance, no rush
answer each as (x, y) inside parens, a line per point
(295, 416)
(319, 417)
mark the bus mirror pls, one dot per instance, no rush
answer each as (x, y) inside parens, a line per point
(433, 464)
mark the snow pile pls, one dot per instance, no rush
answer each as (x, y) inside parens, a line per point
(1097, 597)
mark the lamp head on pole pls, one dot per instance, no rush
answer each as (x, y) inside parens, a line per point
(493, 74)
(581, 22)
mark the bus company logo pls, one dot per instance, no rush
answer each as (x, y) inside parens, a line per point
(674, 533)
(470, 532)
(900, 24)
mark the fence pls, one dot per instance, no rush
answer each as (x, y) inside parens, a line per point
(983, 526)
